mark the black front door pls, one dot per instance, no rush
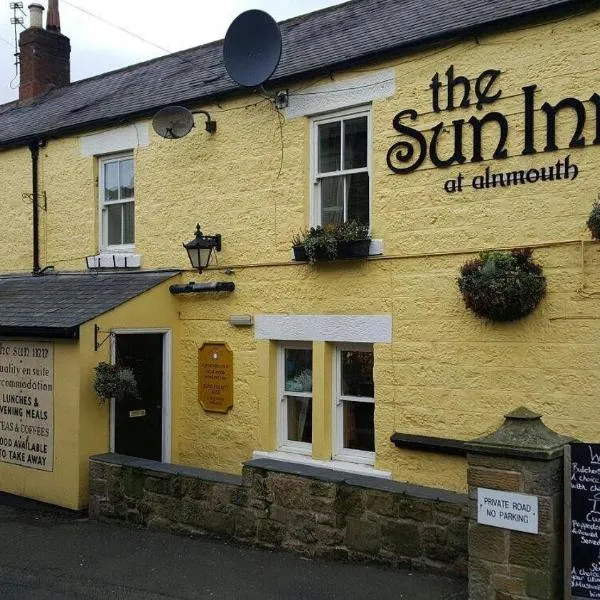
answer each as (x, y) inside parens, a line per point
(138, 421)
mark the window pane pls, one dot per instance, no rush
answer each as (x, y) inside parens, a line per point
(126, 178)
(114, 223)
(358, 197)
(355, 143)
(299, 419)
(298, 370)
(359, 431)
(128, 223)
(330, 147)
(332, 200)
(111, 181)
(357, 374)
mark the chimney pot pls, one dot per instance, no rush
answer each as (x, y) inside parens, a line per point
(36, 15)
(53, 18)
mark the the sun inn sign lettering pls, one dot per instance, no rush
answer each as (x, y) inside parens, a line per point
(456, 91)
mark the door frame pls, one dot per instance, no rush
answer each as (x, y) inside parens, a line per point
(167, 362)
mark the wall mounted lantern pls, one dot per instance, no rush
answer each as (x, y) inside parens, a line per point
(200, 249)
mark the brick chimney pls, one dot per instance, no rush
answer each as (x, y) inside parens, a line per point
(45, 54)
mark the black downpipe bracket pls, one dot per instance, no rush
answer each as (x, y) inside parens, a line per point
(199, 288)
(34, 147)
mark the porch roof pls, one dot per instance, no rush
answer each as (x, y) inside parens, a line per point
(56, 304)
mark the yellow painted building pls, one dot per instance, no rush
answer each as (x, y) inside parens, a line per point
(341, 354)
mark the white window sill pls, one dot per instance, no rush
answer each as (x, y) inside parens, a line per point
(115, 260)
(334, 465)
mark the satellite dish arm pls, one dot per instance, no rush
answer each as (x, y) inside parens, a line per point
(211, 126)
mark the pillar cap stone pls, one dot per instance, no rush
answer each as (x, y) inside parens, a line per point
(523, 435)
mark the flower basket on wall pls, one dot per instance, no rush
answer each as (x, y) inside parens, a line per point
(350, 239)
(593, 222)
(502, 286)
(113, 381)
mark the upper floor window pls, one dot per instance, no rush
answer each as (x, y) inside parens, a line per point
(341, 167)
(117, 202)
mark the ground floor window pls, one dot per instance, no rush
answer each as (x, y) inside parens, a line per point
(354, 403)
(295, 382)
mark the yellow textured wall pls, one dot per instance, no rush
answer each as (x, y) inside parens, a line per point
(447, 373)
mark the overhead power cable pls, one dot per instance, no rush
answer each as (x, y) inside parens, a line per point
(123, 29)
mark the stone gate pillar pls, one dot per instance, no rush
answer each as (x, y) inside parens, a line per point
(523, 457)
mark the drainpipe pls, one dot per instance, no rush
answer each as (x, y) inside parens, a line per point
(34, 147)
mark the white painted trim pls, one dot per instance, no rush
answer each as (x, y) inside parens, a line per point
(115, 140)
(324, 328)
(335, 95)
(334, 465)
(166, 390)
(112, 260)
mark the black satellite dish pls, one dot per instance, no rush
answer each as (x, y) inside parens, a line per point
(252, 48)
(173, 122)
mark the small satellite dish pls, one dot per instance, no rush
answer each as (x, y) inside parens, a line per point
(252, 48)
(173, 122)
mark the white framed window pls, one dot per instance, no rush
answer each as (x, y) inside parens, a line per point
(296, 404)
(117, 203)
(341, 167)
(354, 398)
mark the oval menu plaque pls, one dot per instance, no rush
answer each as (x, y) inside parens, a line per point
(215, 377)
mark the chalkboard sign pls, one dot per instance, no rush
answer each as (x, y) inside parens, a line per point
(585, 520)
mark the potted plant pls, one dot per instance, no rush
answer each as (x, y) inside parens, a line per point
(502, 286)
(593, 222)
(350, 239)
(353, 240)
(114, 381)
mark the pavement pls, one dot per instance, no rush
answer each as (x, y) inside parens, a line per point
(50, 554)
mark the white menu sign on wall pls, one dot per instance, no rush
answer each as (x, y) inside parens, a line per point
(27, 404)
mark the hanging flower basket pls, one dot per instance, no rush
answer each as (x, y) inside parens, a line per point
(502, 286)
(593, 222)
(113, 381)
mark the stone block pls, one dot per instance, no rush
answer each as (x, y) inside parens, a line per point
(97, 470)
(98, 488)
(221, 496)
(193, 512)
(402, 537)
(544, 478)
(133, 483)
(381, 503)
(436, 545)
(270, 533)
(156, 485)
(289, 491)
(506, 583)
(495, 479)
(323, 489)
(488, 543)
(349, 501)
(363, 536)
(219, 523)
(159, 524)
(245, 524)
(480, 579)
(533, 551)
(414, 509)
(550, 511)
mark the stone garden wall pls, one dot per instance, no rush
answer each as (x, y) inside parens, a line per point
(313, 511)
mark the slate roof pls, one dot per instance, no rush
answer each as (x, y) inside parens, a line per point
(54, 305)
(312, 43)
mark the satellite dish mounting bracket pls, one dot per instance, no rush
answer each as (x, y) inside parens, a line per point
(210, 125)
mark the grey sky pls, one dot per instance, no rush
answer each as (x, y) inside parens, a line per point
(173, 25)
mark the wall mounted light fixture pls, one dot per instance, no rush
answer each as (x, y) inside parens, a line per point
(200, 249)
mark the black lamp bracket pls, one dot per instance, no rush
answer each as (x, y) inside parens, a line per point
(99, 344)
(210, 126)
